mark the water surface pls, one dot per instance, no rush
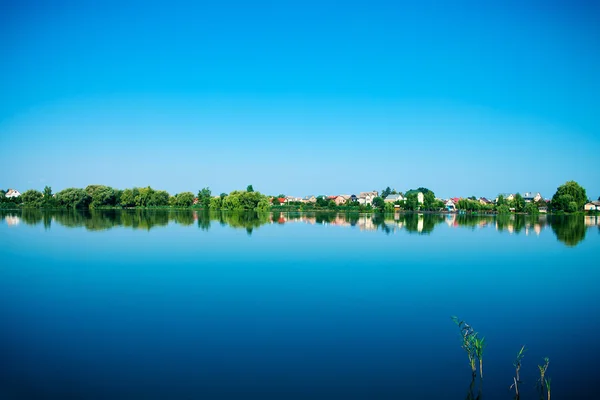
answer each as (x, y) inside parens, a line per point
(162, 304)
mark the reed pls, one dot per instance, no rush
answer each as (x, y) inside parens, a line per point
(480, 345)
(543, 369)
(517, 365)
(468, 336)
(548, 387)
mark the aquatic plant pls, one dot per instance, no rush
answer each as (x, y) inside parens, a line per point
(468, 336)
(517, 365)
(479, 345)
(548, 387)
(543, 369)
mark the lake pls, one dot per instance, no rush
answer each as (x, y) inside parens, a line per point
(186, 305)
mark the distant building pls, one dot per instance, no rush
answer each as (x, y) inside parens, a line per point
(392, 198)
(420, 198)
(366, 198)
(341, 199)
(450, 205)
(12, 193)
(592, 206)
(531, 197)
(484, 201)
(309, 199)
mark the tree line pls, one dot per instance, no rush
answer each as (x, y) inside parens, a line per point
(570, 197)
(101, 196)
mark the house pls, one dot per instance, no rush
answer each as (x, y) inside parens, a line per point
(353, 198)
(290, 199)
(342, 199)
(309, 199)
(592, 206)
(450, 205)
(531, 197)
(392, 198)
(12, 193)
(420, 197)
(507, 197)
(366, 198)
(484, 201)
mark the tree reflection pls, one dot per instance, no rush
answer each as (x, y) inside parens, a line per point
(570, 229)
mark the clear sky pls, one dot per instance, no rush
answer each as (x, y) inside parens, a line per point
(301, 97)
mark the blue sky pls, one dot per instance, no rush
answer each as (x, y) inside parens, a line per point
(312, 97)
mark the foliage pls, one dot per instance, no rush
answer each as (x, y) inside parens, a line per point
(184, 199)
(204, 198)
(249, 188)
(386, 192)
(245, 201)
(73, 198)
(32, 198)
(519, 203)
(468, 338)
(501, 201)
(503, 209)
(570, 197)
(102, 196)
(378, 202)
(48, 201)
(532, 208)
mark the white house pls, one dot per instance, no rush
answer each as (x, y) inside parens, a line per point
(420, 198)
(392, 198)
(12, 193)
(592, 206)
(450, 206)
(531, 196)
(366, 198)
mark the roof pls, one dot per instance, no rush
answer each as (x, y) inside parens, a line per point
(394, 197)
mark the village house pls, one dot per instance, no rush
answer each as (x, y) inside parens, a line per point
(392, 198)
(484, 201)
(592, 206)
(12, 193)
(531, 197)
(341, 199)
(450, 205)
(309, 199)
(366, 198)
(507, 196)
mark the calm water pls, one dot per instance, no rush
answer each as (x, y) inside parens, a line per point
(168, 305)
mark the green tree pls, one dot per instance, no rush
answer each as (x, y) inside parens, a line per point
(73, 198)
(184, 199)
(412, 201)
(532, 208)
(569, 197)
(429, 201)
(249, 188)
(378, 202)
(48, 201)
(102, 196)
(501, 201)
(215, 203)
(159, 198)
(519, 203)
(128, 197)
(32, 198)
(204, 197)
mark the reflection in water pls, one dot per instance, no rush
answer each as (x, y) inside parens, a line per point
(570, 230)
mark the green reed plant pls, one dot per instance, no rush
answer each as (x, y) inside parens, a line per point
(548, 386)
(480, 346)
(543, 369)
(517, 365)
(468, 337)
